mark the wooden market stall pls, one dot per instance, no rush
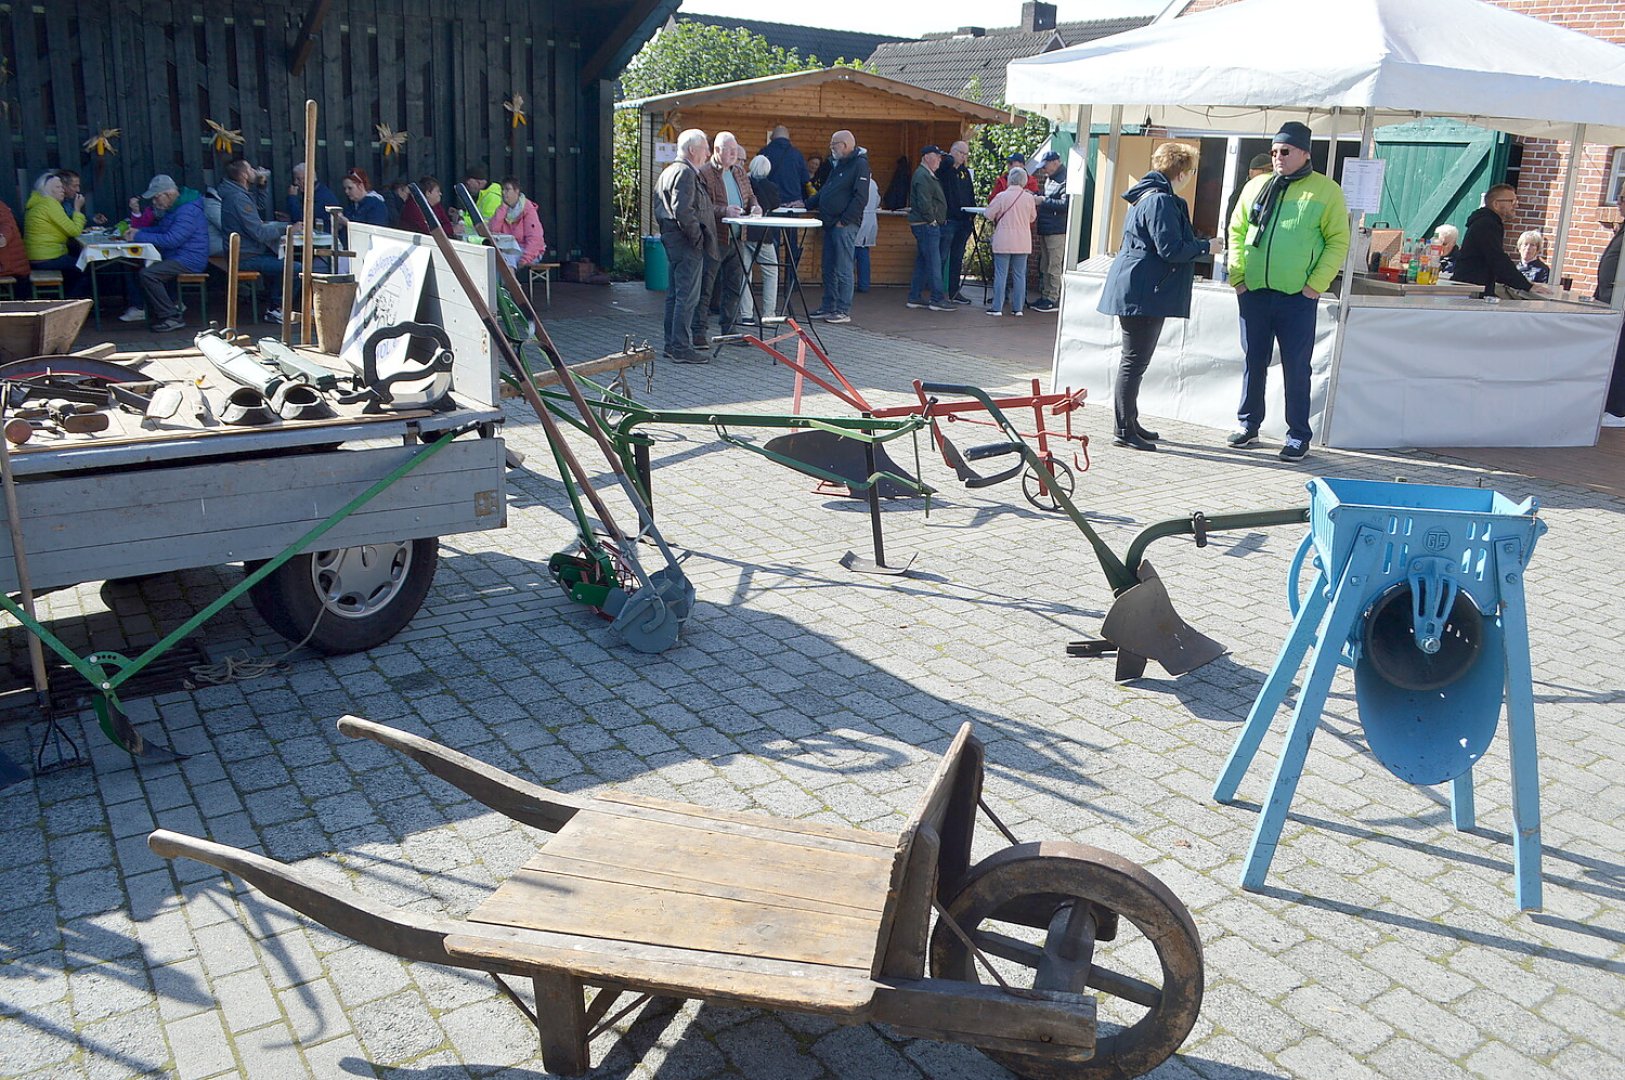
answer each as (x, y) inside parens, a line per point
(890, 119)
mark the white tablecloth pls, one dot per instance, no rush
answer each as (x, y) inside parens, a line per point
(103, 252)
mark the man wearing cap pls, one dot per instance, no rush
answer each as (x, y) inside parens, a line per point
(1288, 237)
(1051, 177)
(1015, 160)
(181, 236)
(927, 213)
(840, 204)
(959, 188)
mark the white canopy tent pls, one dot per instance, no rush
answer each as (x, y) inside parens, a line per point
(1256, 64)
(1253, 65)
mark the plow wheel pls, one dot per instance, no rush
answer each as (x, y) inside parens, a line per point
(1068, 917)
(1040, 490)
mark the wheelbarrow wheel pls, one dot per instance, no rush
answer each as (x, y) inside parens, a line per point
(1040, 491)
(354, 598)
(1019, 904)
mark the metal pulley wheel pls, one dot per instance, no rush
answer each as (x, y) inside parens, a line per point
(1040, 491)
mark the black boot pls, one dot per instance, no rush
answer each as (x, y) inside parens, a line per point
(1148, 436)
(1133, 439)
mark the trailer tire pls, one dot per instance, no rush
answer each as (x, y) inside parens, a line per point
(362, 596)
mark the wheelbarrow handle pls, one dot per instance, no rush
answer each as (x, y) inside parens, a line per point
(1118, 576)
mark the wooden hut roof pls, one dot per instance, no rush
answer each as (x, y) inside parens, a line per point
(930, 101)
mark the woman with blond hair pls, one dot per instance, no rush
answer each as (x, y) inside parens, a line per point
(1531, 246)
(1150, 279)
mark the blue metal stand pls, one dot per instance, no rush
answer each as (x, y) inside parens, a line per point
(1376, 544)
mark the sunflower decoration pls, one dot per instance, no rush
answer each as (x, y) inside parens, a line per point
(390, 140)
(101, 143)
(516, 107)
(224, 138)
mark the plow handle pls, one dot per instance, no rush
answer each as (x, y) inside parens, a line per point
(1117, 575)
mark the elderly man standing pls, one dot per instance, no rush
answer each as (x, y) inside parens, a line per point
(728, 185)
(181, 236)
(840, 204)
(959, 189)
(927, 213)
(1288, 236)
(1051, 231)
(688, 233)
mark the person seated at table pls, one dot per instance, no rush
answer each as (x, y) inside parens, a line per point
(13, 255)
(296, 200)
(1447, 237)
(1531, 245)
(516, 217)
(361, 204)
(47, 228)
(397, 196)
(181, 236)
(1483, 259)
(487, 196)
(259, 240)
(72, 186)
(412, 218)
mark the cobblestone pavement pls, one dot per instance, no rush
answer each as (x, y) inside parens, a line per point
(1386, 944)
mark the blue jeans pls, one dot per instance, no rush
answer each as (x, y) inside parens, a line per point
(683, 295)
(838, 259)
(860, 263)
(955, 235)
(927, 265)
(1009, 270)
(1268, 317)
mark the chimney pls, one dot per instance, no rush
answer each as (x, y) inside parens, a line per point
(1037, 16)
(970, 31)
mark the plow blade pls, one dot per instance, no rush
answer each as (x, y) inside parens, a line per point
(825, 453)
(1143, 624)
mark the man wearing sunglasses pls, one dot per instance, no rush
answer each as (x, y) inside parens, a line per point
(1288, 237)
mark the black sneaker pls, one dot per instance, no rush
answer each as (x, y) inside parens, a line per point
(1245, 437)
(690, 358)
(838, 317)
(960, 298)
(1294, 450)
(1044, 305)
(915, 304)
(168, 326)
(940, 305)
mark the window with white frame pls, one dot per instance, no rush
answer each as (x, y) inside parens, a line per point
(1614, 187)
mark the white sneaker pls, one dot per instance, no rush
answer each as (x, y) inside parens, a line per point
(274, 315)
(1610, 420)
(133, 314)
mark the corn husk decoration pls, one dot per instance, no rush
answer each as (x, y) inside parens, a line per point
(390, 141)
(101, 143)
(224, 138)
(516, 107)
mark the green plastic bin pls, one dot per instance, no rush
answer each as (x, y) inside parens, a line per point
(656, 270)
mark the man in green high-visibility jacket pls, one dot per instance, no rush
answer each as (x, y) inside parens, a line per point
(1289, 235)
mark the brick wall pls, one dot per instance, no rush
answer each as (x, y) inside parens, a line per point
(1540, 184)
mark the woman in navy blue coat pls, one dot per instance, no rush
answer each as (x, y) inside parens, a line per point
(1150, 280)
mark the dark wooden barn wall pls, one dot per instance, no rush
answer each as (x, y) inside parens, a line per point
(439, 69)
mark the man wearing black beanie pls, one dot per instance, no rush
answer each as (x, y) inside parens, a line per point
(1289, 235)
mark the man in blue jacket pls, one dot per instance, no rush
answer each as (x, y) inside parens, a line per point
(181, 236)
(789, 173)
(1051, 231)
(241, 212)
(839, 205)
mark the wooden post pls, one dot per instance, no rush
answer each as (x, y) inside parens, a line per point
(287, 289)
(233, 244)
(305, 305)
(36, 652)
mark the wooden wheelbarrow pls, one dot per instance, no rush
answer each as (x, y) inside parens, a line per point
(653, 898)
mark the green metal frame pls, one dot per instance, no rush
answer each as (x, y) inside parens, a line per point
(107, 671)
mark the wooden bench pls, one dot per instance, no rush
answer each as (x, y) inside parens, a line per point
(47, 283)
(634, 894)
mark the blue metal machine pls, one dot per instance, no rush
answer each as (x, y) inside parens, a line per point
(1420, 590)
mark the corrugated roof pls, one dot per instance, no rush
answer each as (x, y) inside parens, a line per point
(947, 64)
(809, 41)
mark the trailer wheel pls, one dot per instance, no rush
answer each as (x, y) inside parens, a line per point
(362, 595)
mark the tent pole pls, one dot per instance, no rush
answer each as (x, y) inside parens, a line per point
(1077, 176)
(1571, 178)
(1106, 185)
(1356, 221)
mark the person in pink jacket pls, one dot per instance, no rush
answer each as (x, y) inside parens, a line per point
(1012, 212)
(516, 217)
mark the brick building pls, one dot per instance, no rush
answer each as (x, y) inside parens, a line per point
(1539, 174)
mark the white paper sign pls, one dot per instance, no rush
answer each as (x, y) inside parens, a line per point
(1362, 184)
(388, 291)
(665, 153)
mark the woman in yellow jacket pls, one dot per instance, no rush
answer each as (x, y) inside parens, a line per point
(47, 228)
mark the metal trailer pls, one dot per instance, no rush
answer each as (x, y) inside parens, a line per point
(336, 520)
